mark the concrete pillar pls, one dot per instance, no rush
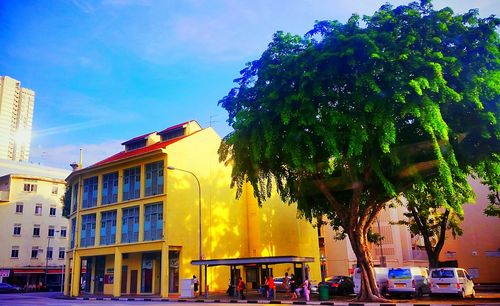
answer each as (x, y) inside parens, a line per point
(75, 276)
(164, 271)
(141, 222)
(119, 225)
(67, 275)
(97, 229)
(120, 186)
(117, 273)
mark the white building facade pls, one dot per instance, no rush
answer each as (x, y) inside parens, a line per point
(34, 238)
(16, 117)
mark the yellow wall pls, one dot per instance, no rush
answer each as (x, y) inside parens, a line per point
(231, 228)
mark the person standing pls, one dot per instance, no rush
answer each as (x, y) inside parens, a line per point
(195, 285)
(305, 288)
(272, 287)
(241, 288)
(286, 284)
(293, 286)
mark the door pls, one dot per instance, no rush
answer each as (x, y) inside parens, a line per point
(124, 279)
(133, 281)
(100, 263)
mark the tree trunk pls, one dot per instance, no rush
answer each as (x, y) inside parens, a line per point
(369, 290)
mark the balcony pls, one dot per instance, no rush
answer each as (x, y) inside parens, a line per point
(4, 196)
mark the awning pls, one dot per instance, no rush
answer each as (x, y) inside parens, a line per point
(38, 271)
(252, 261)
(28, 271)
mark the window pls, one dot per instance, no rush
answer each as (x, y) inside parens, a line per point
(154, 178)
(88, 231)
(89, 192)
(14, 252)
(36, 230)
(63, 231)
(17, 229)
(49, 252)
(52, 211)
(19, 208)
(61, 253)
(74, 197)
(38, 209)
(51, 231)
(108, 227)
(30, 187)
(109, 188)
(130, 224)
(131, 183)
(34, 252)
(73, 230)
(153, 221)
(55, 189)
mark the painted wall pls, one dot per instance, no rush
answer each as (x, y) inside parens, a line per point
(14, 185)
(478, 249)
(231, 228)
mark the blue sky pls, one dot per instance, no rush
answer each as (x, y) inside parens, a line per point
(106, 71)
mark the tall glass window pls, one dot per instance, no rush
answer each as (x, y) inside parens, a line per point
(109, 188)
(130, 224)
(73, 232)
(131, 183)
(153, 221)
(154, 178)
(88, 230)
(108, 227)
(89, 192)
(74, 199)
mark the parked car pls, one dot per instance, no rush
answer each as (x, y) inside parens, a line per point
(7, 288)
(408, 280)
(278, 281)
(380, 277)
(452, 281)
(53, 286)
(339, 285)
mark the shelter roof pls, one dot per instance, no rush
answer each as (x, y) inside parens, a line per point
(252, 260)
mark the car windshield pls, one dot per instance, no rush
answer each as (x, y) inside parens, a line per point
(399, 274)
(442, 274)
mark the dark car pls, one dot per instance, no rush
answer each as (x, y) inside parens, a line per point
(340, 285)
(6, 288)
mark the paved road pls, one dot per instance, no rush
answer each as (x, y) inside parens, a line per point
(44, 298)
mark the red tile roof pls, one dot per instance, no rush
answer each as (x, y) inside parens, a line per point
(136, 152)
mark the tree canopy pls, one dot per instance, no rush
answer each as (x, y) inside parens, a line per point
(350, 115)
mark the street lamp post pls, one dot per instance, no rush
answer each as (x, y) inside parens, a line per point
(47, 257)
(199, 222)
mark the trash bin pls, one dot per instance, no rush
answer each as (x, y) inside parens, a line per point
(187, 288)
(324, 293)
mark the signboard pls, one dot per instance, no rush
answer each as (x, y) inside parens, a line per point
(4, 273)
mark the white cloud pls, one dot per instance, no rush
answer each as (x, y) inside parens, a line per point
(63, 156)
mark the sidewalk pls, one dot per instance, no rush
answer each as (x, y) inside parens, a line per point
(253, 297)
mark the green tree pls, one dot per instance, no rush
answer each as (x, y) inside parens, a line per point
(347, 117)
(66, 201)
(431, 215)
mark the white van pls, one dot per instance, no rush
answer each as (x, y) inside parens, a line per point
(452, 281)
(380, 277)
(408, 280)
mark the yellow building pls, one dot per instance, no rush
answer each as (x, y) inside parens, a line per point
(135, 220)
(34, 236)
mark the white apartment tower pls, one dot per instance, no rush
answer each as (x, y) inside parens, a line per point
(16, 117)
